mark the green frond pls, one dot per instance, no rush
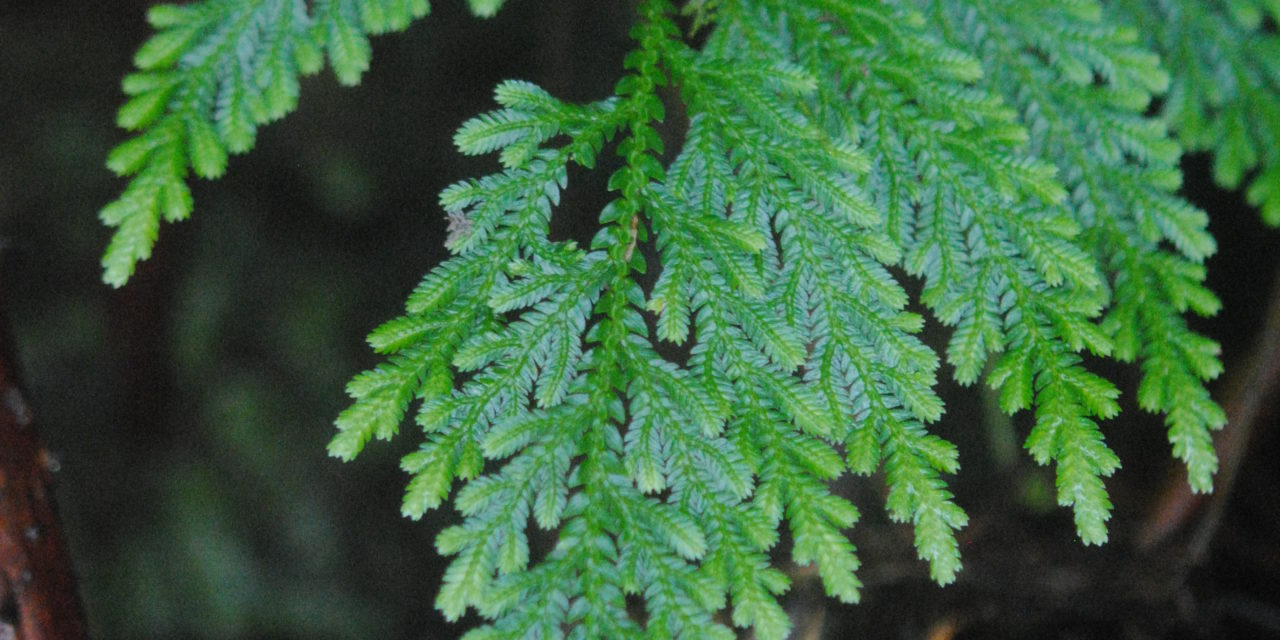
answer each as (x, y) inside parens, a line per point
(1121, 169)
(1226, 65)
(213, 73)
(1001, 158)
(382, 396)
(913, 461)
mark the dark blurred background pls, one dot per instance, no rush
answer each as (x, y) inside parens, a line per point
(190, 410)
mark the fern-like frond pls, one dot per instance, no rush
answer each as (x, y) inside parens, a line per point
(831, 146)
(998, 151)
(982, 222)
(1114, 162)
(1222, 96)
(866, 380)
(213, 73)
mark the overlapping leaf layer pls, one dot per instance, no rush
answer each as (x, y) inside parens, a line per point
(997, 151)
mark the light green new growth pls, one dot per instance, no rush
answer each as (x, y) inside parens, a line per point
(996, 150)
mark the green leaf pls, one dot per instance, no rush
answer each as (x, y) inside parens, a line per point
(382, 395)
(433, 467)
(143, 110)
(208, 156)
(130, 156)
(163, 49)
(485, 8)
(348, 48)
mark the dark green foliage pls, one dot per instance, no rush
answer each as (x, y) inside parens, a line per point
(998, 151)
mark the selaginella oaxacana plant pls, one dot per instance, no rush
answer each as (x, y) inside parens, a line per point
(1007, 155)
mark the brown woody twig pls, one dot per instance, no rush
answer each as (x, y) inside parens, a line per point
(38, 599)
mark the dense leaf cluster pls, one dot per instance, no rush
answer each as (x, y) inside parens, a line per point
(999, 152)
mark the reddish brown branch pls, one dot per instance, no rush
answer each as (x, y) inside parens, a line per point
(38, 599)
